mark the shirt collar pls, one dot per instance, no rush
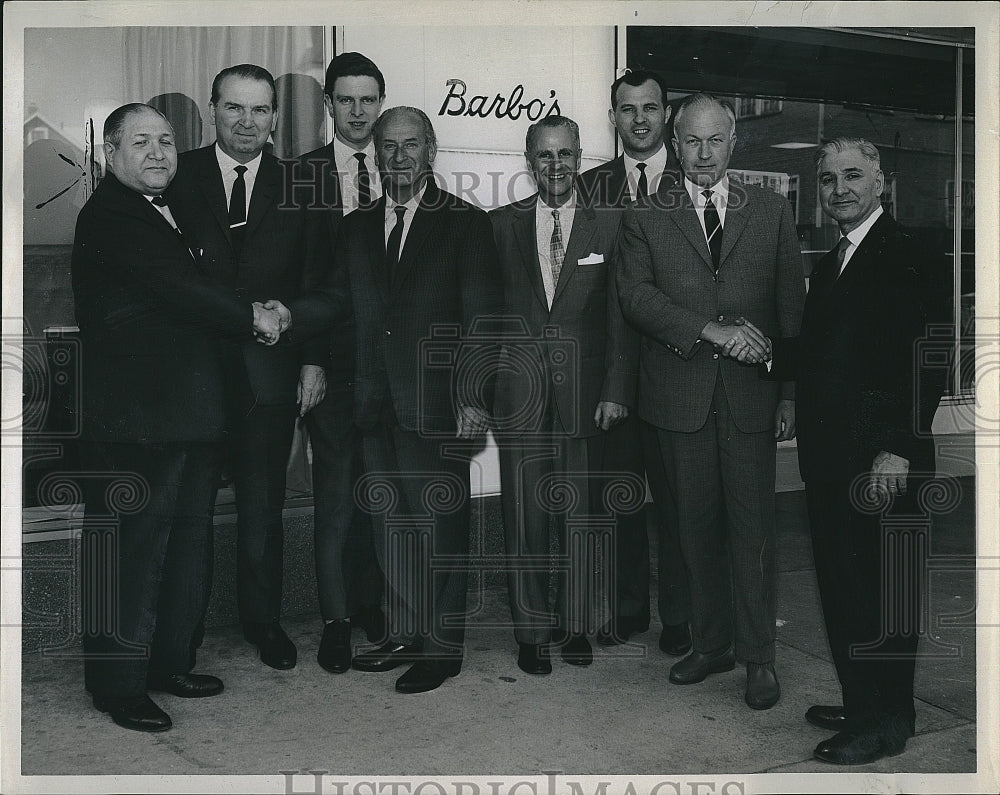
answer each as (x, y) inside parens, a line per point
(569, 206)
(654, 164)
(227, 164)
(858, 234)
(720, 188)
(344, 156)
(411, 205)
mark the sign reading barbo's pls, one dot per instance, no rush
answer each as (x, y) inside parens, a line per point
(513, 106)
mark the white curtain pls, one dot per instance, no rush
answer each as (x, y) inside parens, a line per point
(174, 67)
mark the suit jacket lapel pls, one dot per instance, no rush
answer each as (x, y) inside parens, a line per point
(265, 191)
(687, 221)
(617, 184)
(524, 234)
(375, 234)
(425, 220)
(580, 236)
(210, 183)
(736, 220)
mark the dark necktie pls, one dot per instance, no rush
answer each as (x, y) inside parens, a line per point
(556, 250)
(642, 186)
(392, 245)
(713, 228)
(364, 181)
(842, 245)
(238, 209)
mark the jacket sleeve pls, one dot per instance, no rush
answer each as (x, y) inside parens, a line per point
(622, 353)
(643, 303)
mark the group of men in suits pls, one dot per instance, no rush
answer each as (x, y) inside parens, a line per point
(625, 325)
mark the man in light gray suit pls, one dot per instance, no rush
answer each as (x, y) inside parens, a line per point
(705, 263)
(566, 381)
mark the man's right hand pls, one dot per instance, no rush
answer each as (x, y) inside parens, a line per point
(740, 340)
(266, 324)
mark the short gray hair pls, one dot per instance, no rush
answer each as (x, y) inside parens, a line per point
(866, 148)
(701, 99)
(429, 135)
(549, 122)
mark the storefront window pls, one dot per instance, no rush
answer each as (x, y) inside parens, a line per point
(793, 89)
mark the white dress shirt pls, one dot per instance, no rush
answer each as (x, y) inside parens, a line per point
(855, 236)
(654, 170)
(228, 168)
(347, 169)
(544, 223)
(390, 215)
(720, 197)
(164, 211)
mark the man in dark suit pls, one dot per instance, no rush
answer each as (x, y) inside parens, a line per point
(704, 262)
(152, 415)
(230, 200)
(865, 451)
(422, 268)
(331, 182)
(640, 113)
(566, 381)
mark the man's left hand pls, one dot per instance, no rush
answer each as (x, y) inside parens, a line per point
(889, 473)
(472, 422)
(311, 389)
(609, 414)
(784, 421)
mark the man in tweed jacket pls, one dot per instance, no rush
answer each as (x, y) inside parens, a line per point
(705, 262)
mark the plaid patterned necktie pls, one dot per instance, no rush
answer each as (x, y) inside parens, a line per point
(556, 250)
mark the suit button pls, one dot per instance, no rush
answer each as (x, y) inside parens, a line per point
(721, 318)
(715, 356)
(388, 333)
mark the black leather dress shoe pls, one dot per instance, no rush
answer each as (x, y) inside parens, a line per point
(335, 647)
(138, 713)
(275, 647)
(373, 621)
(574, 648)
(184, 685)
(675, 639)
(823, 717)
(696, 666)
(849, 748)
(619, 629)
(534, 658)
(763, 690)
(385, 658)
(427, 675)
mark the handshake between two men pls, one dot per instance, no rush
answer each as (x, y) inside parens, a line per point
(738, 339)
(270, 320)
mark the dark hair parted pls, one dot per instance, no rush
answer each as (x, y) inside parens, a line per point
(249, 71)
(352, 64)
(636, 79)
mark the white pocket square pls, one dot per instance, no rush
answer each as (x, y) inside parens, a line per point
(591, 259)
